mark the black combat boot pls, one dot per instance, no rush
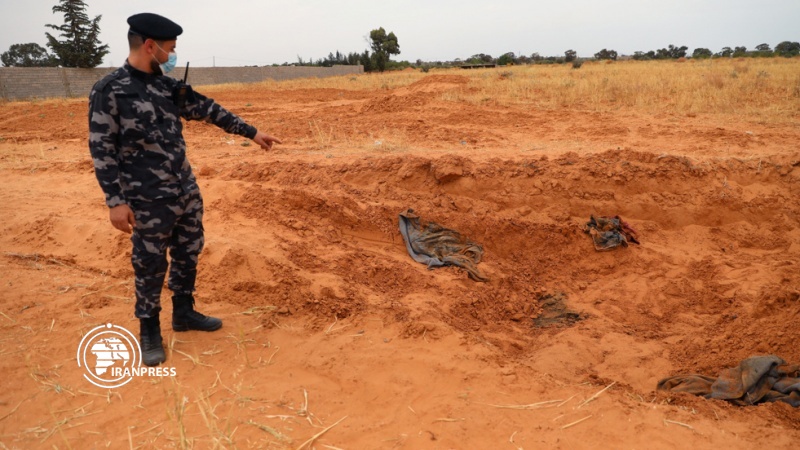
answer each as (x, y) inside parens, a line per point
(185, 318)
(150, 341)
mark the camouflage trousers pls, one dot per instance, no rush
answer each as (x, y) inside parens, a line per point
(176, 225)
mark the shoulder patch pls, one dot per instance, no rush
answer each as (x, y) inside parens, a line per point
(100, 85)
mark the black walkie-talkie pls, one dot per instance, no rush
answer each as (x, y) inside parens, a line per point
(182, 90)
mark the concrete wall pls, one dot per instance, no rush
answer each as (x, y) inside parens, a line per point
(20, 83)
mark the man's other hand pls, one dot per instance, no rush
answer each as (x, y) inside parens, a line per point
(122, 218)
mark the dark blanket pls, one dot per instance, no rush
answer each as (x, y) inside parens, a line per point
(437, 246)
(756, 380)
(610, 232)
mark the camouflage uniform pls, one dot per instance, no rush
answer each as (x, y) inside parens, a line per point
(136, 141)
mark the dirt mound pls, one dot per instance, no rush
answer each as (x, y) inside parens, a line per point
(528, 214)
(415, 95)
(437, 83)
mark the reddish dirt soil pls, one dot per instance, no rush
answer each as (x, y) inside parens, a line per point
(327, 317)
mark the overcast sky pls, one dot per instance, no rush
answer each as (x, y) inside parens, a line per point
(250, 32)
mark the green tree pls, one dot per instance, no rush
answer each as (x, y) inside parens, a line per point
(763, 48)
(701, 53)
(570, 55)
(28, 55)
(726, 52)
(606, 54)
(383, 46)
(506, 59)
(378, 61)
(480, 58)
(787, 49)
(353, 59)
(678, 52)
(80, 45)
(672, 52)
(739, 52)
(366, 61)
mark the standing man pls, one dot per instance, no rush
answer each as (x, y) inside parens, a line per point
(136, 142)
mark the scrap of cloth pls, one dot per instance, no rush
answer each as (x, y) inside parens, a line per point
(758, 379)
(610, 232)
(436, 246)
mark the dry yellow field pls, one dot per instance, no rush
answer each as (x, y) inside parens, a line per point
(768, 88)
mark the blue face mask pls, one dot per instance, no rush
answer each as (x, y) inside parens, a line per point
(172, 61)
(168, 66)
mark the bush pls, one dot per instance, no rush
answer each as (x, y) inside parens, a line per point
(702, 53)
(577, 64)
(606, 54)
(787, 49)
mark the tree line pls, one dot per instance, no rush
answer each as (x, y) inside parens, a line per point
(383, 46)
(786, 49)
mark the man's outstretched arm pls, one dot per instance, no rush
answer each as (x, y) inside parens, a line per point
(201, 107)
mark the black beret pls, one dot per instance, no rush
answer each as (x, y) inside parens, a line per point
(155, 27)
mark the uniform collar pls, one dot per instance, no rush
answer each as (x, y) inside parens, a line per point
(136, 73)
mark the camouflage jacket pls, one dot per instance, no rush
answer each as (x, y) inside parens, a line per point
(136, 135)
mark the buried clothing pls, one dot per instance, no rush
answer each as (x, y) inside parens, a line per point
(757, 379)
(437, 246)
(610, 232)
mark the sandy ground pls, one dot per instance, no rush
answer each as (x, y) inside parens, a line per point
(328, 318)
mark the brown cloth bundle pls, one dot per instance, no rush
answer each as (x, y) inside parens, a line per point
(757, 379)
(437, 246)
(610, 232)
